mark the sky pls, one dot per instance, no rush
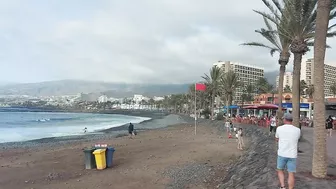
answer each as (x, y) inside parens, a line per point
(131, 41)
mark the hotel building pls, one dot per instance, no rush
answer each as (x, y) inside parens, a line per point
(307, 72)
(288, 80)
(248, 74)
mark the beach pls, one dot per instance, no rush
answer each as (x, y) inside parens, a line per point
(168, 157)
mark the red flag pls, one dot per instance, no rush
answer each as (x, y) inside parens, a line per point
(200, 87)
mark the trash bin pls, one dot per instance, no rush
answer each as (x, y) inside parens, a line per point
(89, 158)
(109, 156)
(100, 158)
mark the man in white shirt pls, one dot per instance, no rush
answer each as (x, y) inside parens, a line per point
(288, 137)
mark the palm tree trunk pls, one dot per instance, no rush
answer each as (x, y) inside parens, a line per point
(280, 89)
(296, 89)
(319, 167)
(229, 104)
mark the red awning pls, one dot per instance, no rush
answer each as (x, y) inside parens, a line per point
(251, 107)
(269, 107)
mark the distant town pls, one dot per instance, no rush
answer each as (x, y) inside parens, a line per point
(76, 102)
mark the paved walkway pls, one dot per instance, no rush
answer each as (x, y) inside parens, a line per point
(308, 134)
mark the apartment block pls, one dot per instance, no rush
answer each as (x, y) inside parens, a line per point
(329, 77)
(288, 80)
(248, 74)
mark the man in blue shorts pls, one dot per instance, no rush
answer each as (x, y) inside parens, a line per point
(288, 137)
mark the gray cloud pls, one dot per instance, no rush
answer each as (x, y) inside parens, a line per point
(156, 41)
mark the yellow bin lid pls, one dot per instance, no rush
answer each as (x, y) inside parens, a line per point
(99, 151)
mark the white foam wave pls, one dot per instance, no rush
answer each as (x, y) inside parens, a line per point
(67, 128)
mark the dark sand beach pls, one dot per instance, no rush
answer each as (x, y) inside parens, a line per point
(168, 157)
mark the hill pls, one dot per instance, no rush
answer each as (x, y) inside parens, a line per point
(72, 87)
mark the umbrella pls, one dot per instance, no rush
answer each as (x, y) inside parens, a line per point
(269, 107)
(251, 107)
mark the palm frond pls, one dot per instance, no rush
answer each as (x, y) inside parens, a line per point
(268, 16)
(272, 9)
(278, 6)
(272, 49)
(271, 36)
(331, 34)
(331, 27)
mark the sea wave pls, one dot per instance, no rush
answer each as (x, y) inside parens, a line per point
(28, 126)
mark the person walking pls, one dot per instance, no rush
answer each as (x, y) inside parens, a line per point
(227, 125)
(240, 139)
(131, 130)
(272, 125)
(329, 125)
(287, 137)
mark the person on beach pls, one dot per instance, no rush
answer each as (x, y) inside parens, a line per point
(240, 139)
(85, 130)
(227, 125)
(131, 130)
(287, 137)
(231, 126)
(272, 125)
(329, 125)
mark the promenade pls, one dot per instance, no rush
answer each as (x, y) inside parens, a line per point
(308, 134)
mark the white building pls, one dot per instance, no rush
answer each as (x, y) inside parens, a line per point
(288, 80)
(102, 99)
(329, 77)
(139, 98)
(158, 98)
(248, 74)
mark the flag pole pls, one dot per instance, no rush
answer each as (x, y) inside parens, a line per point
(195, 112)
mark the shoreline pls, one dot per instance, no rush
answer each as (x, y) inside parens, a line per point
(157, 121)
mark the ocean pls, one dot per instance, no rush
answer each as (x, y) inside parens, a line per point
(18, 125)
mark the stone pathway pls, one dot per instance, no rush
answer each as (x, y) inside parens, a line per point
(256, 168)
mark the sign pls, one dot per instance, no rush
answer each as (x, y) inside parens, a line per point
(290, 105)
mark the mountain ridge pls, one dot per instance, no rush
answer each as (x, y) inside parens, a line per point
(117, 90)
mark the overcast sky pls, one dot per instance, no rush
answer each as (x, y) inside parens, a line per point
(134, 41)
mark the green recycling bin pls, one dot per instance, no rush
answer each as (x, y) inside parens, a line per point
(89, 158)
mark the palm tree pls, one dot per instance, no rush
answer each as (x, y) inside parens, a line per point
(296, 20)
(230, 81)
(249, 91)
(278, 43)
(263, 86)
(151, 103)
(142, 103)
(333, 89)
(273, 91)
(213, 83)
(319, 167)
(287, 89)
(310, 91)
(303, 87)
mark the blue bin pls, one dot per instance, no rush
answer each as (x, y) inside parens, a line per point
(109, 156)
